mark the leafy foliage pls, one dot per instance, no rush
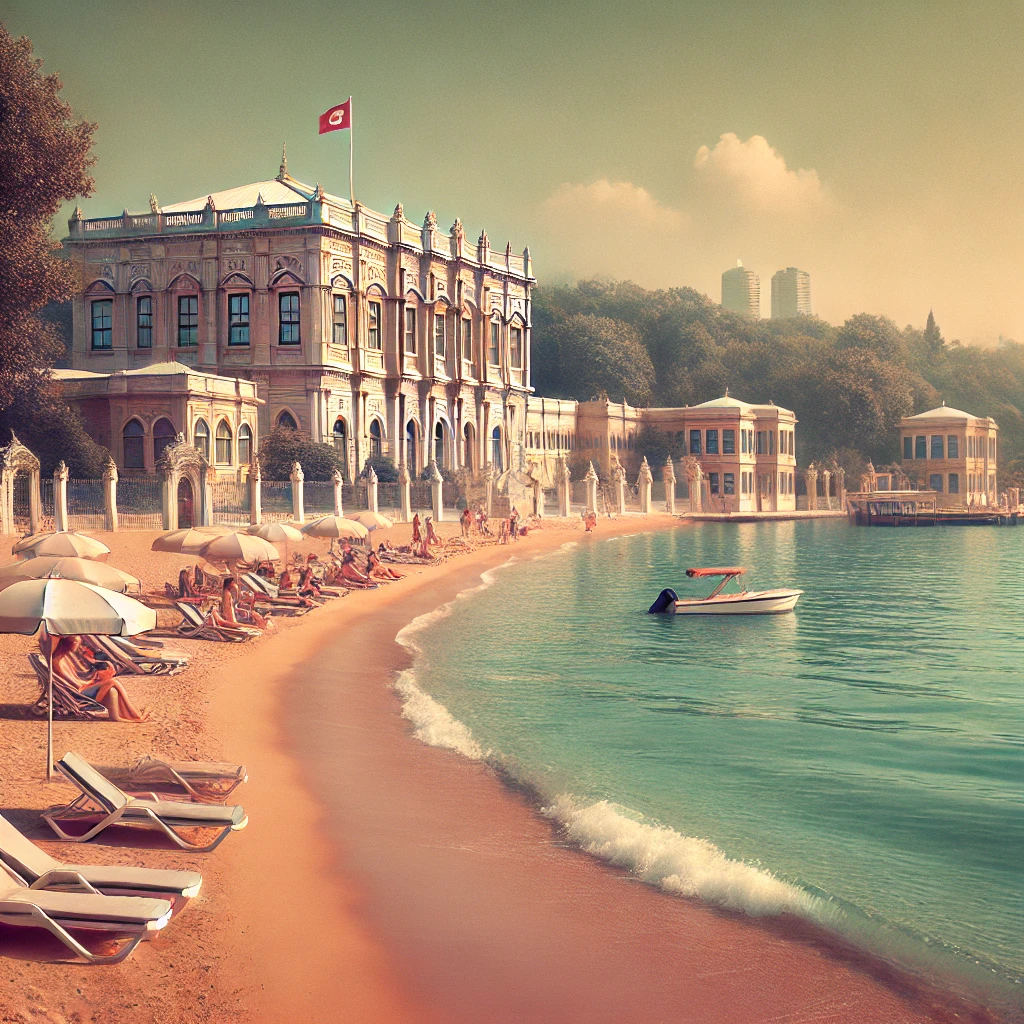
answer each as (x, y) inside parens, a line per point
(282, 447)
(385, 468)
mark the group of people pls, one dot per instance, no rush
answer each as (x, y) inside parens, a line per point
(76, 662)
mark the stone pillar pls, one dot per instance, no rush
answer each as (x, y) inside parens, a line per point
(644, 483)
(34, 500)
(669, 475)
(695, 482)
(591, 481)
(619, 487)
(811, 479)
(564, 487)
(109, 494)
(7, 502)
(371, 489)
(255, 493)
(60, 497)
(336, 479)
(538, 499)
(206, 479)
(405, 493)
(840, 475)
(298, 495)
(826, 478)
(489, 484)
(169, 503)
(436, 495)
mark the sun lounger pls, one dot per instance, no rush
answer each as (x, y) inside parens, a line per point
(196, 626)
(39, 870)
(205, 781)
(131, 660)
(268, 596)
(101, 799)
(68, 701)
(135, 918)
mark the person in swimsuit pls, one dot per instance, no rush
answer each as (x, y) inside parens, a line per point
(416, 529)
(376, 569)
(432, 537)
(98, 680)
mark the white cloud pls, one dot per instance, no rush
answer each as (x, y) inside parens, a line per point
(612, 199)
(755, 173)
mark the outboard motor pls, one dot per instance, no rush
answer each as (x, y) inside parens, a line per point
(666, 599)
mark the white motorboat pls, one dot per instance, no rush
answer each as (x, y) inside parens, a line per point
(746, 602)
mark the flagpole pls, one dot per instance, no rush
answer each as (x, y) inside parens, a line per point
(351, 179)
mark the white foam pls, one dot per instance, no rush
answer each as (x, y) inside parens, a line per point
(677, 863)
(432, 722)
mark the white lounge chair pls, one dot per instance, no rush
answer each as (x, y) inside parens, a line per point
(205, 781)
(128, 658)
(133, 917)
(197, 626)
(38, 870)
(101, 799)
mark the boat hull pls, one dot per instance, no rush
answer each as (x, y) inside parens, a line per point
(764, 602)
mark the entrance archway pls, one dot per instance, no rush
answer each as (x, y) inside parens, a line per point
(469, 448)
(186, 504)
(412, 455)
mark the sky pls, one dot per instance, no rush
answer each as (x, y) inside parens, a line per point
(876, 145)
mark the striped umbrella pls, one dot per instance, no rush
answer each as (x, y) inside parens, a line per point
(277, 533)
(239, 547)
(336, 528)
(189, 541)
(68, 608)
(83, 570)
(61, 545)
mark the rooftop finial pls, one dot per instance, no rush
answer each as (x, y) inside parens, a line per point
(154, 206)
(739, 263)
(726, 392)
(282, 172)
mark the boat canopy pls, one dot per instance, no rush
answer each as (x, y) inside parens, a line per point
(733, 571)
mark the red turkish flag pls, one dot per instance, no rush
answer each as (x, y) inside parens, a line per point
(337, 117)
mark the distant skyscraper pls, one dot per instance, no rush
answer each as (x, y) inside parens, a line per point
(741, 291)
(791, 293)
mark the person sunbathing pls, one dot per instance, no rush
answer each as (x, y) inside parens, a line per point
(185, 587)
(245, 608)
(350, 574)
(376, 569)
(228, 615)
(97, 681)
(307, 586)
(432, 537)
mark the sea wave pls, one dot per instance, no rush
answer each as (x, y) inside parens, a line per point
(432, 722)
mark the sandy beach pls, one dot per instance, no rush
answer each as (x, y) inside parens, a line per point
(381, 879)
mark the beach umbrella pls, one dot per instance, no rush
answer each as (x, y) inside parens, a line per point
(61, 545)
(277, 533)
(336, 528)
(68, 608)
(239, 547)
(188, 541)
(373, 521)
(83, 570)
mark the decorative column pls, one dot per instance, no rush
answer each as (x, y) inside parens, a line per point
(591, 481)
(695, 483)
(405, 493)
(298, 495)
(109, 494)
(371, 489)
(811, 479)
(255, 493)
(564, 488)
(207, 475)
(34, 499)
(60, 497)
(336, 480)
(619, 487)
(169, 500)
(644, 483)
(437, 498)
(669, 475)
(826, 478)
(538, 499)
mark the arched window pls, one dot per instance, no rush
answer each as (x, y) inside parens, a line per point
(201, 438)
(497, 454)
(163, 437)
(244, 445)
(376, 440)
(286, 421)
(411, 454)
(133, 437)
(223, 447)
(439, 444)
(340, 436)
(468, 459)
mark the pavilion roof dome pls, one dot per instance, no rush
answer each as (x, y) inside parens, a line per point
(275, 192)
(945, 412)
(725, 402)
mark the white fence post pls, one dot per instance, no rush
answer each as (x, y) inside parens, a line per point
(371, 489)
(298, 496)
(60, 497)
(644, 483)
(437, 497)
(591, 481)
(255, 493)
(669, 475)
(338, 483)
(405, 492)
(109, 495)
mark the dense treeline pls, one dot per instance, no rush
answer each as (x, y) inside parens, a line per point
(849, 385)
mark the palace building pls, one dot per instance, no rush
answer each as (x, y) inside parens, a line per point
(280, 304)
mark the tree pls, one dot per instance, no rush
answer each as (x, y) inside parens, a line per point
(385, 468)
(44, 161)
(282, 447)
(877, 334)
(933, 339)
(599, 354)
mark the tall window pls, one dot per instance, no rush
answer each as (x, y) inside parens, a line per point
(713, 483)
(711, 442)
(759, 443)
(729, 483)
(497, 454)
(163, 437)
(771, 442)
(286, 421)
(238, 319)
(374, 338)
(133, 438)
(288, 319)
(376, 440)
(920, 447)
(935, 482)
(201, 438)
(244, 445)
(954, 483)
(728, 442)
(936, 446)
(103, 323)
(340, 322)
(467, 339)
(494, 351)
(188, 321)
(516, 347)
(695, 439)
(222, 449)
(144, 321)
(439, 444)
(439, 338)
(410, 331)
(908, 447)
(952, 447)
(411, 454)
(340, 436)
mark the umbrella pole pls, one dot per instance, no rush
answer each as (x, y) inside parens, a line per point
(49, 709)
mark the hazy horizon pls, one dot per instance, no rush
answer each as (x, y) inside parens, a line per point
(872, 145)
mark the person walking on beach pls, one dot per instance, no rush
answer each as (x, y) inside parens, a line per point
(466, 521)
(416, 538)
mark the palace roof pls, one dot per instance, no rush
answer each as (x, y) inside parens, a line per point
(277, 191)
(945, 412)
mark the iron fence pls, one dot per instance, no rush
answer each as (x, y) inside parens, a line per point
(232, 502)
(276, 501)
(419, 495)
(139, 503)
(86, 508)
(389, 499)
(46, 504)
(318, 498)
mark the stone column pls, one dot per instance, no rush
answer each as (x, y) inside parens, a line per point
(338, 482)
(644, 483)
(669, 476)
(405, 493)
(298, 496)
(840, 475)
(206, 479)
(811, 479)
(34, 499)
(109, 494)
(371, 489)
(169, 503)
(538, 499)
(436, 495)
(564, 487)
(695, 482)
(826, 478)
(60, 497)
(619, 487)
(255, 493)
(591, 481)
(7, 502)
(489, 483)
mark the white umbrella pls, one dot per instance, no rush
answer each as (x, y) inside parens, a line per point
(337, 528)
(68, 608)
(188, 541)
(239, 547)
(374, 521)
(277, 533)
(83, 570)
(61, 545)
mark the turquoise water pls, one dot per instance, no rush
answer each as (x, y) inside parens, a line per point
(858, 762)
